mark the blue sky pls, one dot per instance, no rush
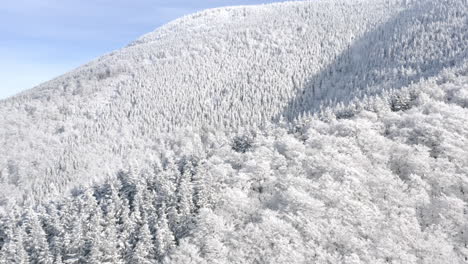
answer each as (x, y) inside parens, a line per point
(41, 39)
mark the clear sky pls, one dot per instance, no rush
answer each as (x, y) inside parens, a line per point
(41, 39)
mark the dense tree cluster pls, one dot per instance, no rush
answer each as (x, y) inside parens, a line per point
(381, 180)
(301, 132)
(225, 68)
(137, 217)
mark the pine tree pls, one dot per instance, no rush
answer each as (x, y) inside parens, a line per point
(143, 252)
(185, 200)
(202, 188)
(93, 238)
(74, 242)
(127, 233)
(164, 238)
(127, 186)
(21, 254)
(111, 246)
(54, 228)
(38, 247)
(13, 251)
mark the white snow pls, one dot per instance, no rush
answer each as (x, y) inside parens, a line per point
(351, 121)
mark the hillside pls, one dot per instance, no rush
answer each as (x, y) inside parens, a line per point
(298, 132)
(253, 66)
(381, 181)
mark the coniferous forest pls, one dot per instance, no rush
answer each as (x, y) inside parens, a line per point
(298, 132)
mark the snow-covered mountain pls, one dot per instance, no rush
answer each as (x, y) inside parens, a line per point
(298, 132)
(228, 67)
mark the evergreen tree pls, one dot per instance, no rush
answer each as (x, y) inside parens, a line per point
(54, 228)
(185, 201)
(111, 246)
(164, 238)
(74, 242)
(93, 239)
(143, 252)
(13, 251)
(38, 247)
(202, 188)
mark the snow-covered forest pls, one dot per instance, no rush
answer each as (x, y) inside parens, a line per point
(381, 181)
(299, 132)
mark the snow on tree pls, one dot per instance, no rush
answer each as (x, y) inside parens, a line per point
(360, 153)
(110, 112)
(164, 238)
(144, 251)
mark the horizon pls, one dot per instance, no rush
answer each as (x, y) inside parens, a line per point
(41, 41)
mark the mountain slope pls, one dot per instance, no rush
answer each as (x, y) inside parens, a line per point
(227, 68)
(383, 180)
(299, 132)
